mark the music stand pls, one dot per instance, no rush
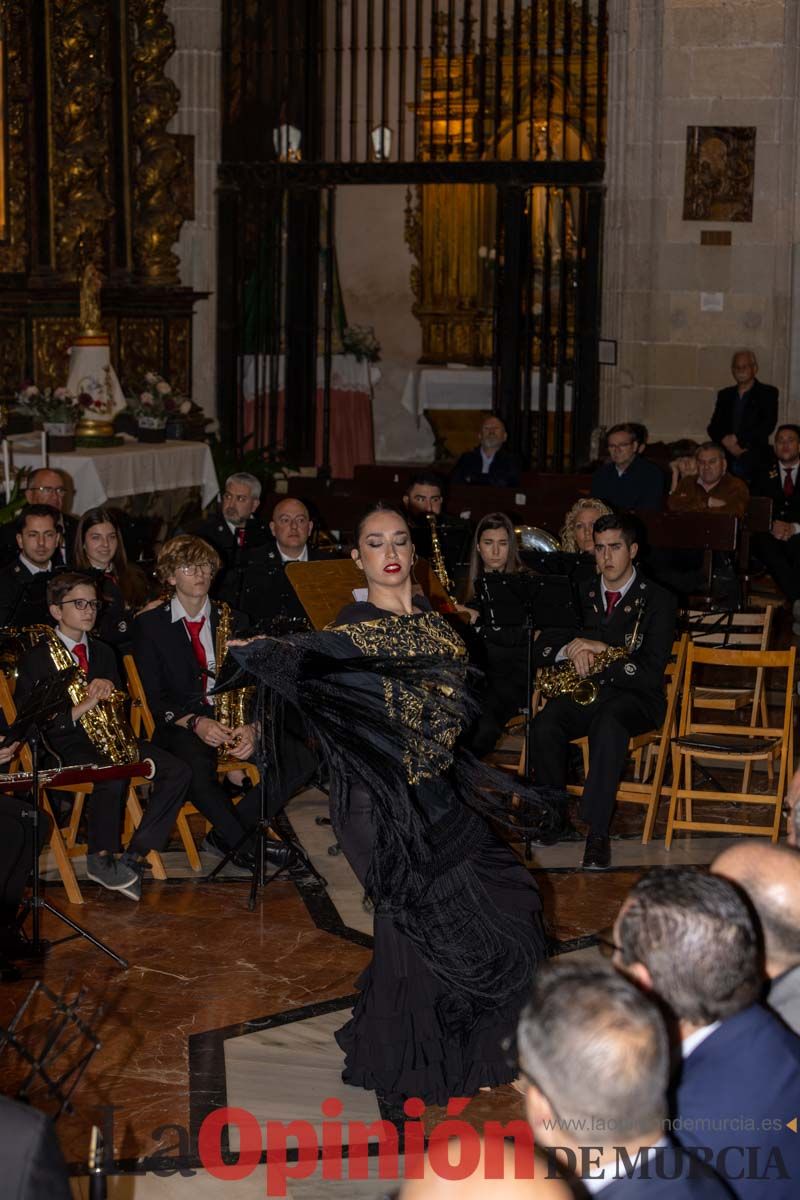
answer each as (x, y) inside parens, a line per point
(46, 702)
(533, 602)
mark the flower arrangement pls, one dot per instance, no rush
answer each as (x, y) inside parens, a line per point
(360, 341)
(52, 406)
(155, 400)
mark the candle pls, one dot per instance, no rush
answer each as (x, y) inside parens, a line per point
(7, 469)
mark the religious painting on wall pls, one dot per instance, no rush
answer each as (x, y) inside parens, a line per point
(720, 165)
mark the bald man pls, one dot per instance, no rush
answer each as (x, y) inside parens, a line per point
(770, 876)
(44, 486)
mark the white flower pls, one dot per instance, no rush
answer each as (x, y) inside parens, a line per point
(163, 388)
(185, 407)
(30, 391)
(150, 377)
(60, 393)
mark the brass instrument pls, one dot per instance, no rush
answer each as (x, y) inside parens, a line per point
(529, 537)
(231, 708)
(106, 725)
(437, 560)
(563, 680)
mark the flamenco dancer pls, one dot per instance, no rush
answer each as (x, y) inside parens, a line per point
(458, 928)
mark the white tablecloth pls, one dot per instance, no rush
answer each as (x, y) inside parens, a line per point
(347, 374)
(465, 388)
(131, 470)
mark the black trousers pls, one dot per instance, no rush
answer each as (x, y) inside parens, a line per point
(614, 717)
(205, 790)
(106, 805)
(782, 560)
(16, 851)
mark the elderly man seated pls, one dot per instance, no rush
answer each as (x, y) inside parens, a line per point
(711, 489)
(689, 940)
(489, 463)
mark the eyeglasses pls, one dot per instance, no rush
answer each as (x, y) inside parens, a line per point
(620, 445)
(194, 569)
(51, 491)
(82, 605)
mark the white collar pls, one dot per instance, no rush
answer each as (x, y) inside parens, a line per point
(179, 613)
(70, 644)
(32, 567)
(300, 558)
(622, 591)
(690, 1043)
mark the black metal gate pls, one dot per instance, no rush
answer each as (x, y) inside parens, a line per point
(505, 97)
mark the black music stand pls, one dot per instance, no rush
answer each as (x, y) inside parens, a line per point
(520, 598)
(46, 702)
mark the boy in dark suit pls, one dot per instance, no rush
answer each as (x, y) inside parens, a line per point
(73, 606)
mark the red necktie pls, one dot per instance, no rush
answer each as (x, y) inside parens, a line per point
(240, 536)
(82, 656)
(788, 482)
(193, 629)
(612, 599)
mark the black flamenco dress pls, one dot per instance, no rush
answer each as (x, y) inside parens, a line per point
(458, 929)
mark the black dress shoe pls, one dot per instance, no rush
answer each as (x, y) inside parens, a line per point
(565, 832)
(277, 854)
(597, 855)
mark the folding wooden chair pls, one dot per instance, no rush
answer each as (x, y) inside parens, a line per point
(730, 745)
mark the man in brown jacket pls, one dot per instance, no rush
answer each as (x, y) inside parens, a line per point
(712, 489)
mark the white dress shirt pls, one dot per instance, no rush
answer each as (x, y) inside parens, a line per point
(179, 613)
(70, 644)
(561, 656)
(690, 1043)
(32, 567)
(303, 557)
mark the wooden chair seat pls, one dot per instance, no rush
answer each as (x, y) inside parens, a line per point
(728, 745)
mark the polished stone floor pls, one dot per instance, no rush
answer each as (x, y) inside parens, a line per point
(222, 1006)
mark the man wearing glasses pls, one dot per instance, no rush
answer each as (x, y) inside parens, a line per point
(23, 584)
(628, 480)
(73, 605)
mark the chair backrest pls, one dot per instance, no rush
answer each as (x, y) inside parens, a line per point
(749, 660)
(141, 717)
(750, 629)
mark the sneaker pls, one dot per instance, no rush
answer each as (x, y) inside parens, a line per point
(109, 872)
(134, 890)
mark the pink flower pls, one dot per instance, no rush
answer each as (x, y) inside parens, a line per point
(150, 377)
(60, 393)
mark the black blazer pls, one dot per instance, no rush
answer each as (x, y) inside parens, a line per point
(23, 595)
(642, 671)
(504, 469)
(33, 1165)
(759, 418)
(769, 483)
(169, 671)
(67, 737)
(214, 530)
(641, 485)
(261, 589)
(9, 550)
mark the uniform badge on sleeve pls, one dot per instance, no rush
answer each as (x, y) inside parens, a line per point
(630, 668)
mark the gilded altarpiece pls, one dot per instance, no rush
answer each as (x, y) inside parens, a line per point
(91, 173)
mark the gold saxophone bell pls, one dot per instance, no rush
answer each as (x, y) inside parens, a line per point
(231, 708)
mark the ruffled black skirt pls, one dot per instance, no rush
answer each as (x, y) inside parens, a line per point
(401, 1040)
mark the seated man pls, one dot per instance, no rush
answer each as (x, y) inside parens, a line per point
(779, 550)
(489, 463)
(177, 653)
(23, 584)
(712, 489)
(630, 697)
(234, 528)
(73, 607)
(770, 875)
(688, 939)
(629, 480)
(44, 486)
(423, 495)
(583, 1022)
(744, 417)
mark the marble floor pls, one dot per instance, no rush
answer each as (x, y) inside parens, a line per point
(222, 1006)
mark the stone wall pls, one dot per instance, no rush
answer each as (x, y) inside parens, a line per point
(675, 63)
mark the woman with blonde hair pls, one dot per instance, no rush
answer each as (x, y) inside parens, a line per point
(577, 536)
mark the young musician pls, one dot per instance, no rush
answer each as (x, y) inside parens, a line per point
(123, 588)
(176, 653)
(73, 607)
(23, 584)
(630, 691)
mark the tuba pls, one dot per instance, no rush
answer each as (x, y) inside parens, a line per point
(563, 680)
(529, 537)
(437, 559)
(106, 725)
(231, 708)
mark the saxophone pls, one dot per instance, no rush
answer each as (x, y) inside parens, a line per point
(563, 680)
(231, 708)
(437, 560)
(106, 725)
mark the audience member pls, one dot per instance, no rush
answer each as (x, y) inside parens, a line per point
(122, 586)
(770, 875)
(628, 480)
(682, 461)
(235, 527)
(711, 489)
(594, 1054)
(489, 463)
(689, 939)
(23, 584)
(744, 417)
(779, 550)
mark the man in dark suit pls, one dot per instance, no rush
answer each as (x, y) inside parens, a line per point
(616, 606)
(423, 497)
(689, 939)
(45, 486)
(594, 1055)
(744, 417)
(489, 463)
(23, 583)
(779, 550)
(629, 480)
(73, 607)
(175, 648)
(33, 1165)
(234, 529)
(770, 875)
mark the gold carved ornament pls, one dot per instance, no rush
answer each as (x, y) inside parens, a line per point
(78, 130)
(15, 249)
(160, 166)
